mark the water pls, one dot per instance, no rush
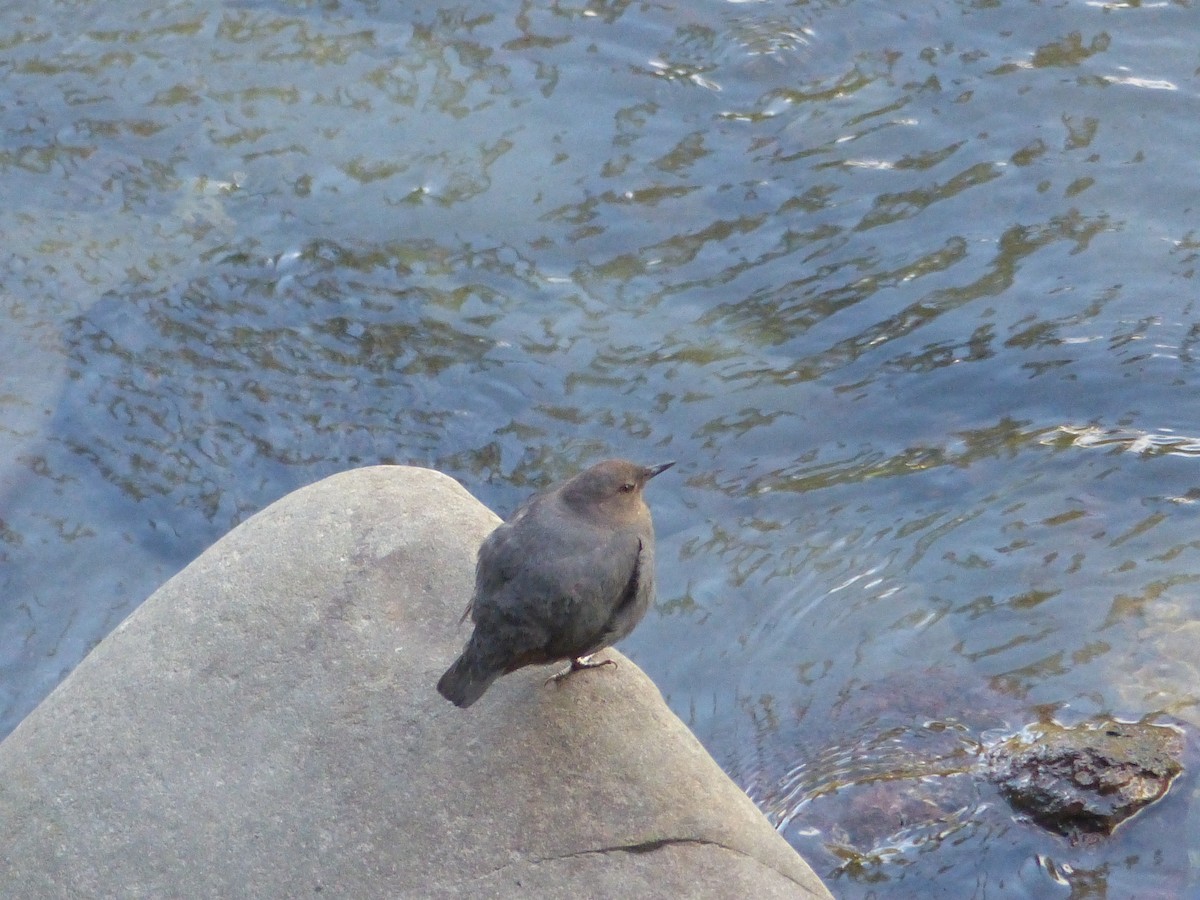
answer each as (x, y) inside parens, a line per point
(908, 290)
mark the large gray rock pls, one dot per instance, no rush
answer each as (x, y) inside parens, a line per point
(266, 725)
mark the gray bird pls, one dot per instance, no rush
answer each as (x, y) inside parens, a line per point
(570, 573)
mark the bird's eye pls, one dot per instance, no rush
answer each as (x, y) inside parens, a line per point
(627, 487)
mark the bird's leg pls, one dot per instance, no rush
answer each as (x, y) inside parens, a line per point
(581, 662)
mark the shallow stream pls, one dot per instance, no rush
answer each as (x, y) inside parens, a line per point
(907, 290)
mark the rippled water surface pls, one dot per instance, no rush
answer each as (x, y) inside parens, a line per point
(907, 289)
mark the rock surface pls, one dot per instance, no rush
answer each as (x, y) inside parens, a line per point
(1089, 778)
(266, 725)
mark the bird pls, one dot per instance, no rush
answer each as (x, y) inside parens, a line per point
(569, 573)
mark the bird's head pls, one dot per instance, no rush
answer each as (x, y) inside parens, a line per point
(613, 487)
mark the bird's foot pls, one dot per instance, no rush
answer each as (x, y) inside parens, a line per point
(582, 662)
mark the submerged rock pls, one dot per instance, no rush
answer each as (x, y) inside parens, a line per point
(1086, 779)
(884, 800)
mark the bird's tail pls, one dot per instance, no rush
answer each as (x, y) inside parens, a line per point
(466, 680)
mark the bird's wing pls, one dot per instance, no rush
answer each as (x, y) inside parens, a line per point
(547, 573)
(634, 584)
(635, 599)
(502, 556)
(494, 565)
(589, 595)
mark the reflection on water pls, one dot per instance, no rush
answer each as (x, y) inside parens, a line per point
(906, 291)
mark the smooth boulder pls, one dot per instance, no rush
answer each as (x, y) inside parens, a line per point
(266, 725)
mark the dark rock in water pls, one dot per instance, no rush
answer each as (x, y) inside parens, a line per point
(904, 782)
(1086, 779)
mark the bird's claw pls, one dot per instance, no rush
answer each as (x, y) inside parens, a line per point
(582, 662)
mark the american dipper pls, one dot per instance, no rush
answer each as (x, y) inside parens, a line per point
(571, 572)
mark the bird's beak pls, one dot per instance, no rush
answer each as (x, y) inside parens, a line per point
(651, 471)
